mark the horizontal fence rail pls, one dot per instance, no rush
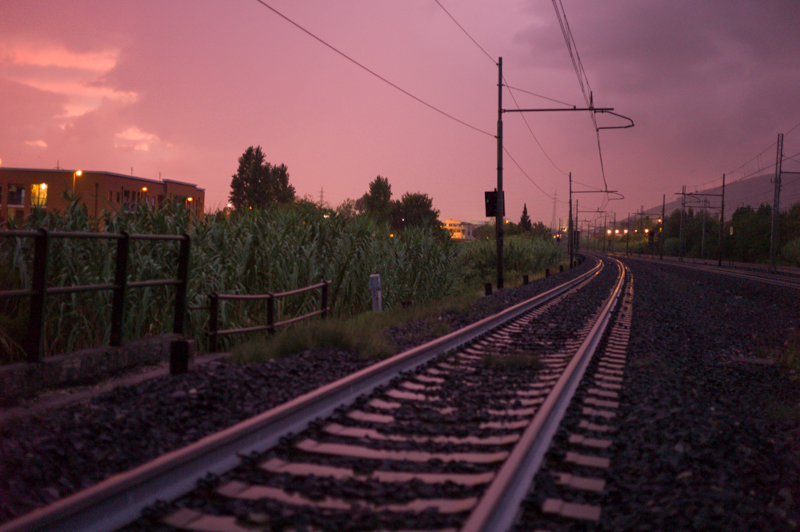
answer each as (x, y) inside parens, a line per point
(214, 305)
(39, 290)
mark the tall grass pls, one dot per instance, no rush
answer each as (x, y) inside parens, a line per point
(522, 255)
(255, 252)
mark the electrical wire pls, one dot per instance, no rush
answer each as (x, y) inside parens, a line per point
(531, 131)
(515, 103)
(465, 32)
(426, 104)
(529, 177)
(510, 88)
(583, 79)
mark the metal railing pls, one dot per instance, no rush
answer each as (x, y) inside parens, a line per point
(214, 302)
(39, 290)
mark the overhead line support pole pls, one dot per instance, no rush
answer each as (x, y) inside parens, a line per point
(721, 223)
(500, 202)
(773, 240)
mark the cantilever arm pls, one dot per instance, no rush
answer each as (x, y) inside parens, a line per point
(615, 114)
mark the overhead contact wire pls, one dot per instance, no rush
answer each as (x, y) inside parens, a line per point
(423, 102)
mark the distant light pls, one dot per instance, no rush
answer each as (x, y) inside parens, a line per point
(43, 186)
(79, 173)
(647, 230)
(189, 199)
(391, 235)
(144, 189)
(616, 231)
(609, 231)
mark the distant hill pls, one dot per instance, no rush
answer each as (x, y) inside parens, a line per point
(751, 192)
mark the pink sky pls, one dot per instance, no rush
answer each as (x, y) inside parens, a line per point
(180, 89)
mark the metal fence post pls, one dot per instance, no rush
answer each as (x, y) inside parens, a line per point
(324, 301)
(120, 286)
(213, 321)
(270, 314)
(33, 346)
(180, 292)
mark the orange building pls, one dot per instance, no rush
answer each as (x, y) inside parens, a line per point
(22, 189)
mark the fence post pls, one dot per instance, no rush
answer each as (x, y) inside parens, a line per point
(270, 313)
(120, 286)
(213, 321)
(180, 292)
(39, 287)
(324, 301)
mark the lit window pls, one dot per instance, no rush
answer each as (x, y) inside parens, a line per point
(39, 195)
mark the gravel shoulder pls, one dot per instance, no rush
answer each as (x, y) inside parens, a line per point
(706, 441)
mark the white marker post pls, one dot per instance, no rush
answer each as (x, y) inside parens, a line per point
(375, 290)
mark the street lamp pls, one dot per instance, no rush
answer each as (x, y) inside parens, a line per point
(75, 173)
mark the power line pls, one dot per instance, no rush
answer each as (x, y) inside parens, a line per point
(426, 104)
(532, 134)
(580, 72)
(513, 98)
(539, 96)
(529, 177)
(465, 32)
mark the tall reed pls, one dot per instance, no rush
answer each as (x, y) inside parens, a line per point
(253, 252)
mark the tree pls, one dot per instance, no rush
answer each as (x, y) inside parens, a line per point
(539, 230)
(259, 184)
(378, 201)
(525, 221)
(414, 209)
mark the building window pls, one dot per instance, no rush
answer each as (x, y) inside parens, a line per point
(39, 195)
(16, 195)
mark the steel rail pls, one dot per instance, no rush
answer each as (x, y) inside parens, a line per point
(786, 280)
(120, 499)
(513, 481)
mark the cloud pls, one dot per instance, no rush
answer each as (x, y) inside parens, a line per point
(39, 143)
(135, 138)
(78, 76)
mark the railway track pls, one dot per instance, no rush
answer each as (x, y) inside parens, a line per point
(784, 277)
(446, 436)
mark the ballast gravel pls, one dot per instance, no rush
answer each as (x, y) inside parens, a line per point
(709, 435)
(50, 455)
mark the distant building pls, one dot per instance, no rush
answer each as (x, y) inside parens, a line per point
(22, 189)
(459, 230)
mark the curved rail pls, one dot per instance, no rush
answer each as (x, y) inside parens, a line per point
(120, 499)
(785, 279)
(513, 481)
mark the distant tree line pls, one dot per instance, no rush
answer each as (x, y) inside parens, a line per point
(257, 184)
(746, 234)
(525, 228)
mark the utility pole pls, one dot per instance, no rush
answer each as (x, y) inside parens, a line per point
(703, 241)
(500, 203)
(614, 234)
(773, 241)
(500, 111)
(721, 224)
(628, 233)
(663, 221)
(569, 225)
(683, 208)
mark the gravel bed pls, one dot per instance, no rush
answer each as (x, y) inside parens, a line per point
(708, 438)
(706, 442)
(53, 454)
